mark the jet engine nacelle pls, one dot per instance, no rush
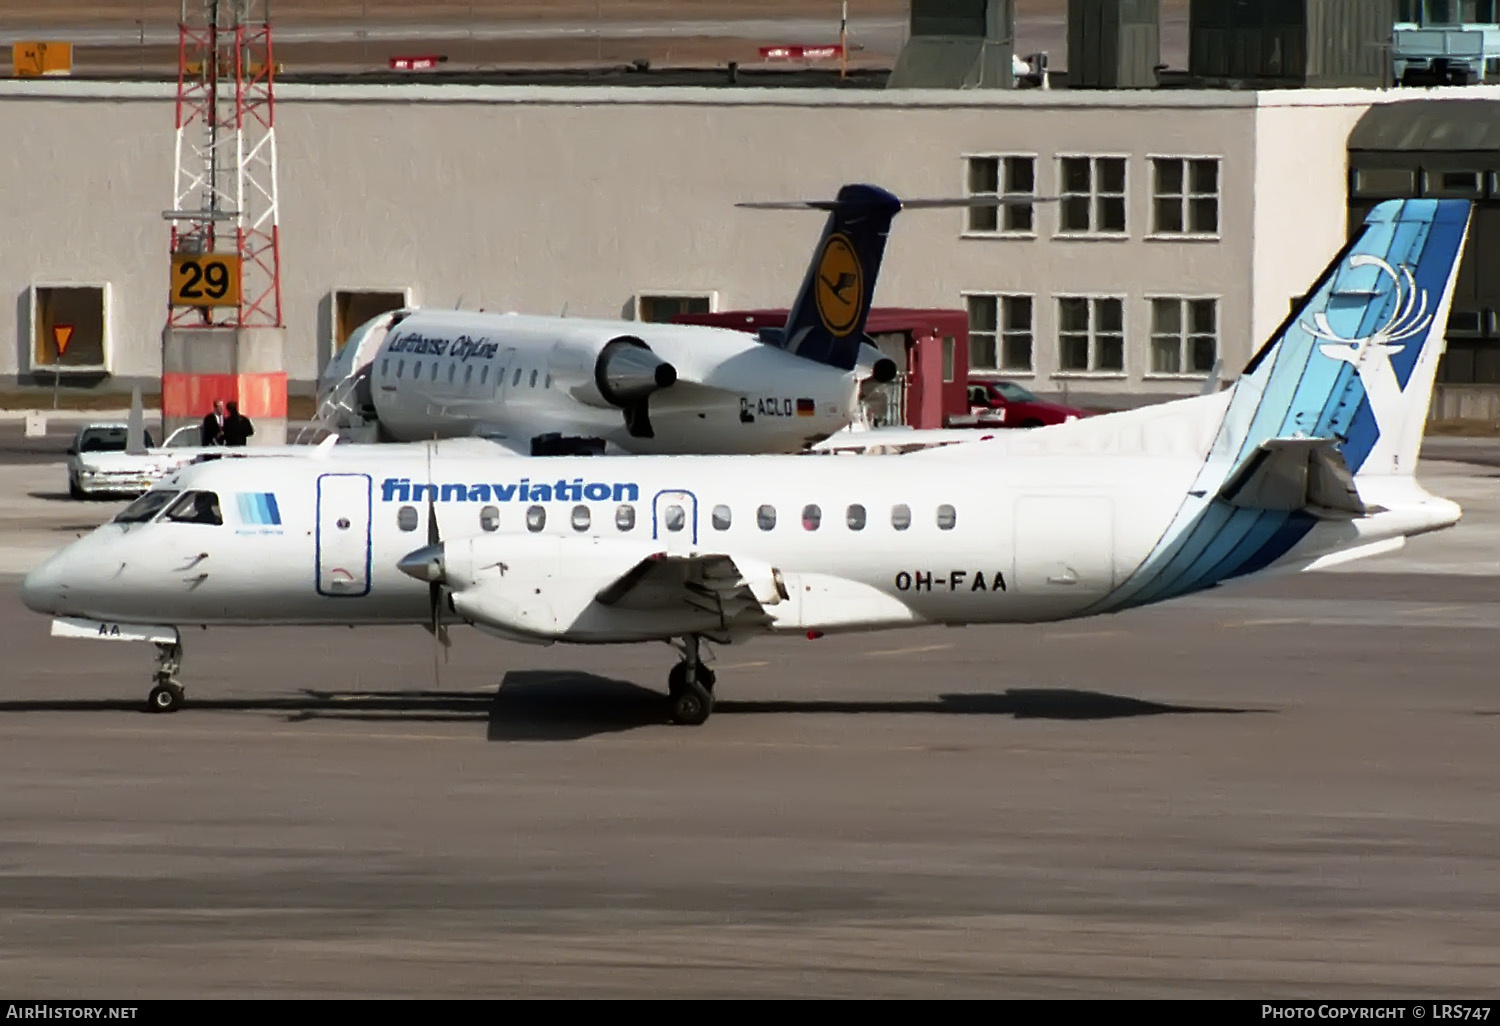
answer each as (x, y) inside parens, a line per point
(617, 370)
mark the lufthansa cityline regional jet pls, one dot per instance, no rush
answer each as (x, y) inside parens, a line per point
(1305, 462)
(559, 385)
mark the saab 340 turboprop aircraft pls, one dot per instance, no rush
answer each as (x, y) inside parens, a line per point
(1305, 462)
(553, 385)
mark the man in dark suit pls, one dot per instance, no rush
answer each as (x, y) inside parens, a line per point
(237, 429)
(213, 425)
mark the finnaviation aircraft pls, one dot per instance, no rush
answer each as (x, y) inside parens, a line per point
(1306, 461)
(553, 385)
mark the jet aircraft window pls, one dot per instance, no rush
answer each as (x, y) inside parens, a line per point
(468, 373)
(145, 508)
(548, 382)
(434, 370)
(515, 382)
(765, 518)
(536, 518)
(452, 370)
(416, 371)
(400, 368)
(385, 366)
(406, 518)
(721, 518)
(625, 516)
(854, 516)
(901, 516)
(812, 516)
(533, 379)
(946, 518)
(580, 518)
(674, 518)
(489, 518)
(195, 508)
(484, 374)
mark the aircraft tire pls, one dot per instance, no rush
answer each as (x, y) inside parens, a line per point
(164, 698)
(692, 706)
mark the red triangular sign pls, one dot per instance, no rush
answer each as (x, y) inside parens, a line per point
(61, 334)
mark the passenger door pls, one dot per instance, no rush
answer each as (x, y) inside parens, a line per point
(343, 535)
(674, 521)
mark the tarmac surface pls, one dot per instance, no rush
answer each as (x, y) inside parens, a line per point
(1284, 789)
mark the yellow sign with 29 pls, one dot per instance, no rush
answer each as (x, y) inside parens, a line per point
(205, 279)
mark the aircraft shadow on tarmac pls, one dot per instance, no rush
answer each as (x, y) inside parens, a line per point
(546, 705)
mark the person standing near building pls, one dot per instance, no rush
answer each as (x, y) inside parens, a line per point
(237, 429)
(213, 425)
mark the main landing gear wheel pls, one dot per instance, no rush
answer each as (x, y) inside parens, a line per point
(165, 698)
(167, 695)
(691, 686)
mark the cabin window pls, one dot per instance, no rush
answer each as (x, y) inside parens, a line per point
(145, 508)
(406, 518)
(625, 517)
(854, 516)
(946, 518)
(901, 516)
(385, 366)
(489, 518)
(765, 518)
(674, 518)
(195, 508)
(812, 516)
(516, 381)
(452, 370)
(468, 374)
(533, 380)
(400, 368)
(484, 374)
(416, 371)
(580, 518)
(536, 518)
(721, 518)
(548, 382)
(434, 370)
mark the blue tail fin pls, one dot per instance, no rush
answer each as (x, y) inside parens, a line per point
(827, 322)
(1353, 367)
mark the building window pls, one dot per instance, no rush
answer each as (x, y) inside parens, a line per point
(999, 332)
(1184, 335)
(1384, 182)
(1184, 196)
(536, 518)
(1093, 195)
(660, 308)
(1090, 334)
(1001, 176)
(765, 518)
(580, 518)
(720, 518)
(901, 516)
(354, 308)
(947, 516)
(625, 517)
(950, 357)
(854, 516)
(1454, 183)
(489, 518)
(68, 326)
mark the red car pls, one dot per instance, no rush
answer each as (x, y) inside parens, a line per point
(1007, 403)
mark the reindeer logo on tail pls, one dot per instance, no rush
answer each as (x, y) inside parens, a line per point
(1371, 356)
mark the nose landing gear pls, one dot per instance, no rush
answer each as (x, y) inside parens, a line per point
(167, 695)
(691, 686)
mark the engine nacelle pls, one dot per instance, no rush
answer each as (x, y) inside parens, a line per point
(609, 371)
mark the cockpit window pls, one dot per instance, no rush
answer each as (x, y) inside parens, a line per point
(145, 508)
(196, 508)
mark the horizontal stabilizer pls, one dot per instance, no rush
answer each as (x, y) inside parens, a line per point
(1296, 474)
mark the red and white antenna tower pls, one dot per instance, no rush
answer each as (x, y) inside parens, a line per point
(226, 253)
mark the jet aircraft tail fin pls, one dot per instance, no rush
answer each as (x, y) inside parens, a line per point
(826, 323)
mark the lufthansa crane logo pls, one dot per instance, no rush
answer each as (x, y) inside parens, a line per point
(840, 287)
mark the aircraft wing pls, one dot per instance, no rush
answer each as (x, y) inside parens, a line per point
(711, 582)
(1297, 474)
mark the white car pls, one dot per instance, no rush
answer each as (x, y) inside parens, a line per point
(99, 465)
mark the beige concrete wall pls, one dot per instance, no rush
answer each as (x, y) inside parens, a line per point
(538, 198)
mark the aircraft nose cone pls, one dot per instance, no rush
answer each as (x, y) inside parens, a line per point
(425, 564)
(42, 588)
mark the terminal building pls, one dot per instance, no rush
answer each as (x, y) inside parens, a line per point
(1178, 223)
